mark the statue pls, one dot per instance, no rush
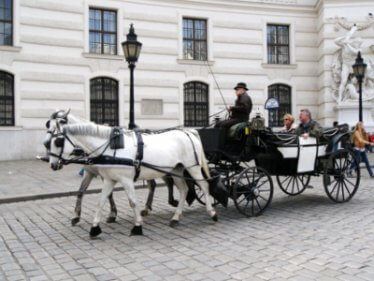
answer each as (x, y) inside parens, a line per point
(351, 90)
(343, 61)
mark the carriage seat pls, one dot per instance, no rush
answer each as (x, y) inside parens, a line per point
(237, 131)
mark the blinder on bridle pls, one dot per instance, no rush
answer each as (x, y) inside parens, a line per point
(60, 141)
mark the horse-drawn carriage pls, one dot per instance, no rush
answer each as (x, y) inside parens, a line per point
(129, 155)
(291, 159)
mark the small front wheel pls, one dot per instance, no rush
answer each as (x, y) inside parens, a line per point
(294, 184)
(253, 191)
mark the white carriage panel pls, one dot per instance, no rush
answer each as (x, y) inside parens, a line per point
(307, 155)
(288, 152)
(322, 150)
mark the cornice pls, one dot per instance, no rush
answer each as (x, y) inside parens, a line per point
(239, 6)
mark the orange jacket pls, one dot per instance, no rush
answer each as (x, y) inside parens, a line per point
(360, 140)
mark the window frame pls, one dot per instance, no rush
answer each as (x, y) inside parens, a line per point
(195, 122)
(279, 112)
(11, 21)
(194, 40)
(278, 45)
(101, 31)
(12, 98)
(103, 101)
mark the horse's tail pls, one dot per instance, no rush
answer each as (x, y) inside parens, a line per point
(203, 160)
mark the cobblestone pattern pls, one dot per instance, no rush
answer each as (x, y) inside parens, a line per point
(306, 237)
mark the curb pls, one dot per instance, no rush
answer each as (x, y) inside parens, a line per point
(25, 198)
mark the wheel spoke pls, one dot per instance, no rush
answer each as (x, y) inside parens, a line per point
(258, 204)
(337, 193)
(289, 183)
(297, 184)
(350, 182)
(346, 187)
(287, 177)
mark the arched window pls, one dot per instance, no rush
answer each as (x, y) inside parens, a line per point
(6, 99)
(104, 101)
(283, 94)
(196, 104)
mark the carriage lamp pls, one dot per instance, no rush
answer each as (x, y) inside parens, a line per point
(359, 69)
(131, 49)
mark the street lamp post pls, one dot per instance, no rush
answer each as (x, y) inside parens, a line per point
(359, 69)
(131, 48)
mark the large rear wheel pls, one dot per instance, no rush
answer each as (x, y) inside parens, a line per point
(339, 181)
(252, 191)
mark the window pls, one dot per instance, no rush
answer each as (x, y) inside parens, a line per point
(283, 94)
(196, 104)
(104, 101)
(103, 31)
(278, 44)
(6, 22)
(194, 39)
(6, 99)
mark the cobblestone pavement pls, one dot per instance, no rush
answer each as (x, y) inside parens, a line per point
(306, 237)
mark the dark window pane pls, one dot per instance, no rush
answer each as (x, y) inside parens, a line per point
(278, 44)
(6, 99)
(104, 101)
(103, 31)
(196, 104)
(194, 39)
(283, 94)
(6, 22)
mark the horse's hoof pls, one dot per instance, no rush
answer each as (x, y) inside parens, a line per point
(75, 220)
(137, 230)
(174, 223)
(174, 203)
(144, 213)
(111, 219)
(215, 217)
(95, 231)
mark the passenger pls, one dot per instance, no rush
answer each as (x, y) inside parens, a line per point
(308, 127)
(242, 109)
(289, 124)
(360, 140)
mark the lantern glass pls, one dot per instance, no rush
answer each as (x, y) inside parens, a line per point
(359, 67)
(131, 47)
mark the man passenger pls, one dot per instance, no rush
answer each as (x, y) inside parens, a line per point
(308, 127)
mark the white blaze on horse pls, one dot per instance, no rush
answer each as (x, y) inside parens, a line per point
(175, 152)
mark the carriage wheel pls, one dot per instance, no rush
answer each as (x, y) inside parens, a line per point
(253, 191)
(293, 185)
(340, 186)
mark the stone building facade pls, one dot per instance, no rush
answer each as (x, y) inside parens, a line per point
(60, 54)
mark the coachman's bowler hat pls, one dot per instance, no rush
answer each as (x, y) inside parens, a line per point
(241, 85)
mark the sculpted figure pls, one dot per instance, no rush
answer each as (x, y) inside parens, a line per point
(349, 48)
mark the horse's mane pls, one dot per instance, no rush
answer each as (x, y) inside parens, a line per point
(88, 129)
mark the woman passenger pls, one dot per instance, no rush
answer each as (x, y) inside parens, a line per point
(289, 124)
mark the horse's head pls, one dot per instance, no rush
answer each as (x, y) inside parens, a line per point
(54, 140)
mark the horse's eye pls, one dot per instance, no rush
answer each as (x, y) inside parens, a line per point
(47, 124)
(59, 142)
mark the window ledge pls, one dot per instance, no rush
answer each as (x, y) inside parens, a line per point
(102, 56)
(196, 62)
(15, 49)
(287, 66)
(11, 128)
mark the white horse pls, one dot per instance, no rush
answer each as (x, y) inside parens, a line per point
(175, 152)
(92, 172)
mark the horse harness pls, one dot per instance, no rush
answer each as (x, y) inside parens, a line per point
(116, 141)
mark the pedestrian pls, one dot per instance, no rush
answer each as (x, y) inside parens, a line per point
(308, 126)
(240, 111)
(360, 141)
(289, 124)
